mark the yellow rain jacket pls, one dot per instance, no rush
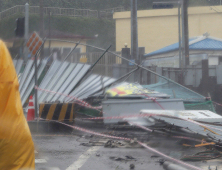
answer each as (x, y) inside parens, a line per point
(16, 145)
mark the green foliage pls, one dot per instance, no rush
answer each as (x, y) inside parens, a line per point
(96, 4)
(7, 27)
(79, 26)
(87, 27)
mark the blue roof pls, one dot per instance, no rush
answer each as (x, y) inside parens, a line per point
(207, 44)
(203, 44)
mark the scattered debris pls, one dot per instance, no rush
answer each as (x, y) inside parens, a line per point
(161, 161)
(87, 144)
(206, 155)
(116, 158)
(132, 166)
(175, 154)
(127, 158)
(154, 156)
(133, 141)
(110, 144)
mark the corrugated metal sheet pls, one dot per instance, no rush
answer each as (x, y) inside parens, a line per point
(105, 82)
(19, 66)
(14, 62)
(90, 86)
(61, 77)
(25, 73)
(29, 89)
(47, 78)
(91, 80)
(79, 74)
(194, 128)
(196, 115)
(67, 82)
(59, 73)
(28, 79)
(61, 80)
(93, 86)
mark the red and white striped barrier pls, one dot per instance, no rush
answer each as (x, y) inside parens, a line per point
(154, 100)
(85, 104)
(80, 102)
(168, 157)
(128, 139)
(217, 103)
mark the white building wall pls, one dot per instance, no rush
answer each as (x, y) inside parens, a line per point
(173, 61)
(213, 60)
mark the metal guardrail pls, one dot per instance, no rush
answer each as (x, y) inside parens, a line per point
(112, 10)
(106, 13)
(108, 59)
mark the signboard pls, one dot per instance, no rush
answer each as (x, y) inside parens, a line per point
(34, 43)
(125, 89)
(163, 6)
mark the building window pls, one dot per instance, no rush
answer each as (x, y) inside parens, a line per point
(220, 60)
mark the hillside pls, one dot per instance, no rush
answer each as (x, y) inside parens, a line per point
(96, 4)
(80, 26)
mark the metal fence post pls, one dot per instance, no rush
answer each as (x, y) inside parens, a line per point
(26, 30)
(90, 57)
(26, 21)
(106, 64)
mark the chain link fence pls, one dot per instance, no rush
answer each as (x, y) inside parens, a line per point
(106, 13)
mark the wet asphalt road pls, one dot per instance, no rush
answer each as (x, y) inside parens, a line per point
(64, 151)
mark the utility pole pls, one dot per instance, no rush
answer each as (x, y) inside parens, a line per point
(41, 24)
(26, 21)
(49, 36)
(26, 32)
(134, 31)
(179, 34)
(185, 32)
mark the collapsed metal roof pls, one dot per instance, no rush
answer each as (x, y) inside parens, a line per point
(60, 78)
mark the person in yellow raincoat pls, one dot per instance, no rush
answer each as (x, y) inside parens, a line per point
(16, 145)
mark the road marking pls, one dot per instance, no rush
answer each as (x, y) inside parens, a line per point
(83, 158)
(40, 161)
